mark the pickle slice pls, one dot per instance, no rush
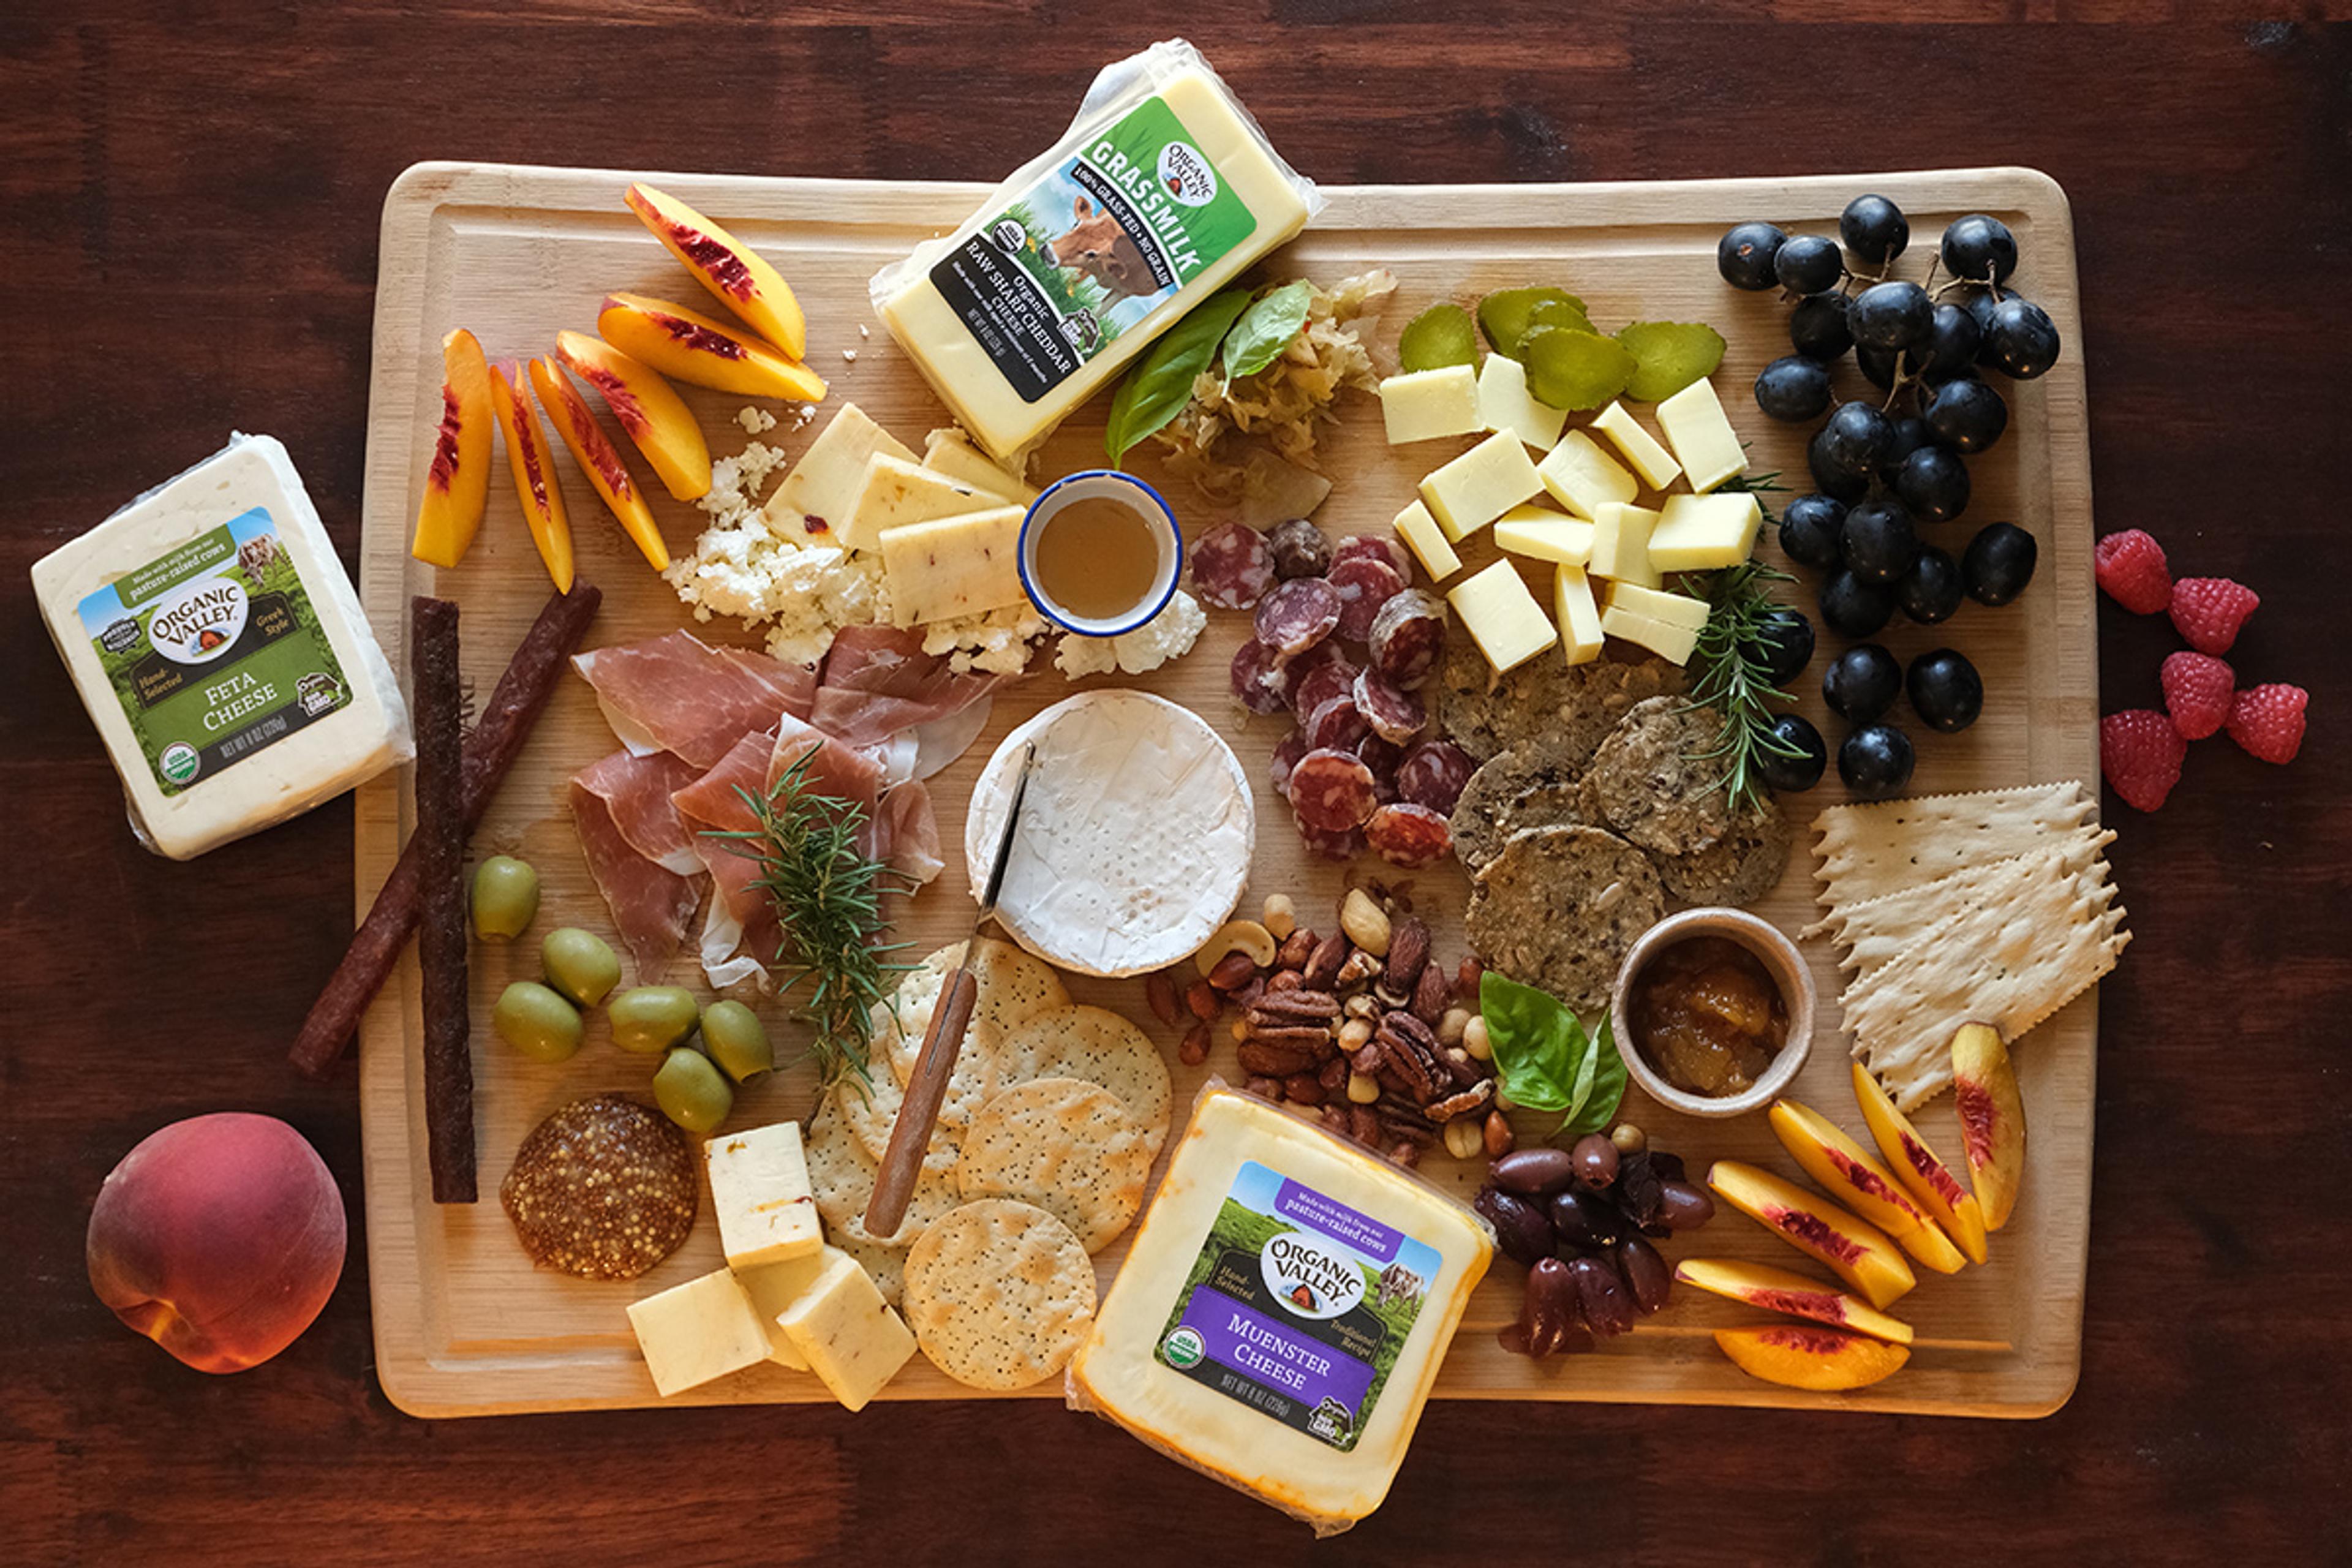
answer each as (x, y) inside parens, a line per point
(1506, 314)
(1439, 336)
(1566, 313)
(1669, 356)
(1574, 370)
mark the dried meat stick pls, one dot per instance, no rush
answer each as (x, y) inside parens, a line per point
(436, 708)
(539, 662)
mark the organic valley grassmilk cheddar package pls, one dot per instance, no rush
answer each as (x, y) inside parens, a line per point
(220, 650)
(1163, 188)
(1283, 1312)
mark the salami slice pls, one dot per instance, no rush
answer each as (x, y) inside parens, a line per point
(1231, 567)
(1340, 847)
(1299, 548)
(1393, 715)
(1286, 753)
(1432, 775)
(1338, 725)
(1364, 587)
(1297, 614)
(1409, 638)
(1409, 836)
(1371, 547)
(1383, 757)
(1328, 674)
(1261, 683)
(1331, 791)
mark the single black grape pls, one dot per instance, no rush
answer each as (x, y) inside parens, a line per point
(1809, 528)
(1875, 229)
(1945, 691)
(1879, 367)
(1745, 256)
(1798, 764)
(1862, 683)
(1979, 248)
(2020, 340)
(1911, 433)
(1817, 328)
(1965, 415)
(1855, 438)
(1809, 264)
(1931, 591)
(1786, 635)
(1793, 389)
(1851, 608)
(1998, 564)
(1894, 315)
(1950, 350)
(1933, 483)
(1880, 540)
(1831, 477)
(1978, 304)
(1875, 762)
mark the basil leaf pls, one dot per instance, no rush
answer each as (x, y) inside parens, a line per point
(1535, 1041)
(1161, 381)
(1586, 1067)
(1266, 328)
(1607, 1084)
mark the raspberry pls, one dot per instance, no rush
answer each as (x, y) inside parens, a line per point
(2130, 567)
(2210, 610)
(2140, 753)
(2268, 721)
(2197, 691)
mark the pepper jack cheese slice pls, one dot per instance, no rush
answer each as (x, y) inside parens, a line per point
(956, 566)
(772, 1288)
(693, 1333)
(760, 1190)
(1504, 618)
(846, 1332)
(815, 500)
(894, 491)
(952, 452)
(1329, 1285)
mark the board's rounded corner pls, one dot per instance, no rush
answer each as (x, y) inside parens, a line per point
(2045, 1404)
(2042, 183)
(392, 1378)
(424, 179)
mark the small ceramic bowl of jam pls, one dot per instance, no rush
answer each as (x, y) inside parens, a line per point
(1713, 1012)
(1100, 552)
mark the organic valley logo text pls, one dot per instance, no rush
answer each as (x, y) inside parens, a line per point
(1308, 1280)
(199, 622)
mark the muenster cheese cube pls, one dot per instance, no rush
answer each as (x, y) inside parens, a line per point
(1418, 529)
(760, 1190)
(1673, 644)
(1638, 447)
(1584, 478)
(1621, 545)
(846, 1332)
(1670, 609)
(894, 492)
(693, 1333)
(956, 566)
(1505, 404)
(1699, 534)
(1702, 439)
(1504, 618)
(1481, 485)
(1543, 534)
(1425, 404)
(1578, 616)
(772, 1288)
(814, 501)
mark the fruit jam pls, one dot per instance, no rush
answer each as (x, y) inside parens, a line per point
(1708, 1015)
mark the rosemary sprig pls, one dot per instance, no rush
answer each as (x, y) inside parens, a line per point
(827, 890)
(1758, 485)
(1730, 665)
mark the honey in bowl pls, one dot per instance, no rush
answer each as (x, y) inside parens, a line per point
(1706, 1014)
(1097, 558)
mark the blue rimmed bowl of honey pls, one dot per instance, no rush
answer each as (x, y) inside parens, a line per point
(1100, 552)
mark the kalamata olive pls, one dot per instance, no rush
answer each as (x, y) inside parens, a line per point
(1583, 1220)
(1551, 1310)
(1513, 1337)
(1596, 1160)
(1682, 1207)
(1520, 1228)
(1601, 1291)
(1646, 1273)
(1537, 1172)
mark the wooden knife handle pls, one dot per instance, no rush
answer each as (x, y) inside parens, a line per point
(918, 1112)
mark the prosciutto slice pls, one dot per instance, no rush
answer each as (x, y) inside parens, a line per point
(912, 831)
(878, 681)
(637, 795)
(652, 906)
(676, 693)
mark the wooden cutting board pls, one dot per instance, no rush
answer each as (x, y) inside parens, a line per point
(464, 1324)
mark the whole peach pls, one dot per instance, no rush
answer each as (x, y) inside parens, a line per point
(220, 1237)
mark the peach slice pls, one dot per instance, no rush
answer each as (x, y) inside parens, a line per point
(1783, 1290)
(650, 411)
(700, 352)
(1855, 1250)
(1845, 1171)
(594, 451)
(1992, 1118)
(457, 484)
(1798, 1355)
(723, 264)
(533, 462)
(1915, 1164)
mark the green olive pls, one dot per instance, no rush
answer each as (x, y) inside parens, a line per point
(580, 963)
(692, 1092)
(506, 898)
(737, 1040)
(537, 1022)
(651, 1019)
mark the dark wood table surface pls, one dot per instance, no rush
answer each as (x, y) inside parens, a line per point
(188, 243)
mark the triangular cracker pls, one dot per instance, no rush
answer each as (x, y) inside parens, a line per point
(1875, 930)
(1869, 851)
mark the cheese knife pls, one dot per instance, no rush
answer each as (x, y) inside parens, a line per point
(927, 1086)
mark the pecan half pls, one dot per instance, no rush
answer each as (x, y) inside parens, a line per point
(1467, 1101)
(1278, 1006)
(1260, 1059)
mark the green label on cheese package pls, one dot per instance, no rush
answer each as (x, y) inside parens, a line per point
(1092, 248)
(214, 651)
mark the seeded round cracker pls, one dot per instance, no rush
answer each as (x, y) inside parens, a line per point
(999, 1294)
(1013, 988)
(1650, 781)
(1560, 907)
(871, 1109)
(977, 1074)
(886, 1265)
(1546, 705)
(1514, 790)
(841, 1177)
(1068, 1146)
(1099, 1046)
(1737, 869)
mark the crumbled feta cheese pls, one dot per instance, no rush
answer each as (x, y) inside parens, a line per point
(849, 356)
(1079, 656)
(755, 420)
(996, 641)
(1169, 634)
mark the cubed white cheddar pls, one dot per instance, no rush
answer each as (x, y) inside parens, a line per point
(774, 1288)
(693, 1332)
(1702, 439)
(894, 492)
(1481, 485)
(1584, 478)
(1578, 616)
(1542, 534)
(1669, 610)
(1621, 545)
(1427, 404)
(1673, 644)
(846, 1332)
(956, 566)
(1504, 618)
(949, 451)
(1505, 404)
(1638, 447)
(1699, 534)
(814, 501)
(1420, 531)
(760, 1190)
